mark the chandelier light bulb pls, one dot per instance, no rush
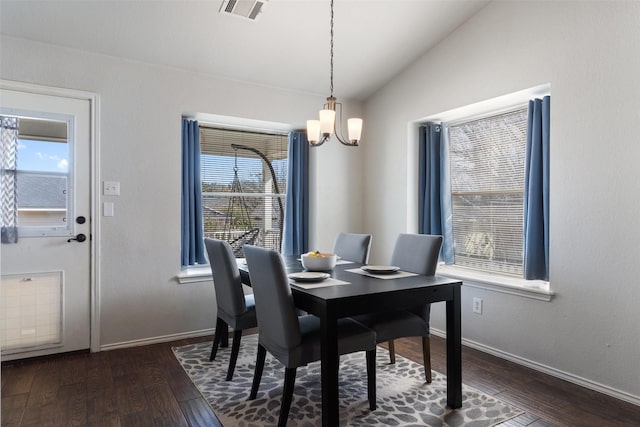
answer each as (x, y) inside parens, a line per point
(355, 129)
(313, 131)
(327, 120)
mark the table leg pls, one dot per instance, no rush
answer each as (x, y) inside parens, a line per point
(329, 368)
(454, 351)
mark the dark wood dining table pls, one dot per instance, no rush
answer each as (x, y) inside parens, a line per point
(366, 294)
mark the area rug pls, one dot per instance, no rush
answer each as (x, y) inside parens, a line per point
(403, 398)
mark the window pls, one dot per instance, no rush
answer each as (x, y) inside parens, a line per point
(487, 162)
(43, 177)
(244, 180)
(483, 183)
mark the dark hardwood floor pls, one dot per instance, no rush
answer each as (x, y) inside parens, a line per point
(145, 386)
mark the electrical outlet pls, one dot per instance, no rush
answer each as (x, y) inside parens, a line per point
(477, 305)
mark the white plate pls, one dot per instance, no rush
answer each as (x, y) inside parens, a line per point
(309, 276)
(380, 269)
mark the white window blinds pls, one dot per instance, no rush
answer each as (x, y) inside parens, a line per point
(244, 182)
(487, 184)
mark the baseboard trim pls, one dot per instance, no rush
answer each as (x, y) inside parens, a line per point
(583, 382)
(156, 340)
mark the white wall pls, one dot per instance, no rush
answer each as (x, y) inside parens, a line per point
(589, 53)
(140, 110)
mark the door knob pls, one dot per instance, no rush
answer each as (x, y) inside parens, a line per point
(79, 238)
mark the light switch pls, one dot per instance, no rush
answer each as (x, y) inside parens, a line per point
(107, 209)
(111, 188)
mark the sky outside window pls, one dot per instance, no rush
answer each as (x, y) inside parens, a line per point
(43, 156)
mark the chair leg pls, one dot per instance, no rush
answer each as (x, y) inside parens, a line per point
(392, 352)
(287, 395)
(257, 373)
(426, 358)
(371, 378)
(224, 336)
(220, 325)
(235, 349)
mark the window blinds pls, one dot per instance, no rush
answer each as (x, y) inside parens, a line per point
(219, 158)
(243, 201)
(487, 182)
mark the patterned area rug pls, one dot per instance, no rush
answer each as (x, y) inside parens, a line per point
(403, 398)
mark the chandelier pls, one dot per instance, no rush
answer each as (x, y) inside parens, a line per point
(319, 131)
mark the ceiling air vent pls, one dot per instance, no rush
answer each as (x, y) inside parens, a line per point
(248, 9)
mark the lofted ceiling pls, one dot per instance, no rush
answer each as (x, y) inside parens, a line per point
(287, 46)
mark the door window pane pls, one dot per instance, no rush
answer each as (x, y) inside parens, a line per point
(43, 177)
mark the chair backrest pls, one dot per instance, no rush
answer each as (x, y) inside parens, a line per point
(353, 247)
(226, 277)
(278, 325)
(417, 253)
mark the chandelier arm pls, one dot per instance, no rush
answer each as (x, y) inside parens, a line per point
(348, 144)
(339, 136)
(322, 141)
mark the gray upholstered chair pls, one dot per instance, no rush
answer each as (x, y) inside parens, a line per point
(295, 340)
(235, 309)
(416, 253)
(353, 247)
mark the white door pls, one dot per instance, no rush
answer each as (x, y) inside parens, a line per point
(46, 274)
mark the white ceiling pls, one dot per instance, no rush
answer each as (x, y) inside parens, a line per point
(286, 47)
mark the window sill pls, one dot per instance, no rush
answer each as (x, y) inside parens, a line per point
(194, 274)
(536, 289)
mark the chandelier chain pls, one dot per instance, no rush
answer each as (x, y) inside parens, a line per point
(331, 69)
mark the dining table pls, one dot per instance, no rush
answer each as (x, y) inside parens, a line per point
(351, 291)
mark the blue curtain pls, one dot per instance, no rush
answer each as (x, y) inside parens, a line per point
(536, 192)
(296, 211)
(434, 199)
(192, 228)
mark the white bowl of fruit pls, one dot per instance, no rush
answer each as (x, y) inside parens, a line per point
(318, 261)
